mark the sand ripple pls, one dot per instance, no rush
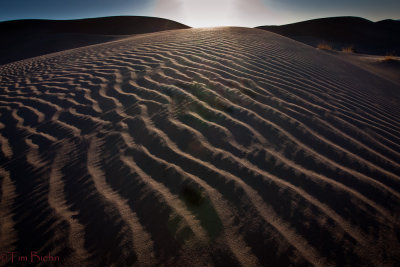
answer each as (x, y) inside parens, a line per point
(224, 147)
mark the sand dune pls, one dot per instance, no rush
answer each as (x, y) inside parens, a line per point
(22, 39)
(362, 35)
(388, 67)
(219, 147)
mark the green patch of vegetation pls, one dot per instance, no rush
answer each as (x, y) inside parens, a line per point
(181, 234)
(199, 90)
(192, 196)
(201, 206)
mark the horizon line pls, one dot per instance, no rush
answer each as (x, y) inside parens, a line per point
(112, 16)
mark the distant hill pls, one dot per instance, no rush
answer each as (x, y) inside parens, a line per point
(23, 39)
(365, 36)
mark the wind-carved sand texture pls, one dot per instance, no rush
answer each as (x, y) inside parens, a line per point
(199, 147)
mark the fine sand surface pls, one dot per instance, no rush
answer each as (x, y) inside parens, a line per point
(364, 36)
(199, 147)
(385, 66)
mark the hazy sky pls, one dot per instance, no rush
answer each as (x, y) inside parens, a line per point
(203, 13)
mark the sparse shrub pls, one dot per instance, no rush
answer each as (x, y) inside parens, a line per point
(348, 49)
(389, 57)
(324, 46)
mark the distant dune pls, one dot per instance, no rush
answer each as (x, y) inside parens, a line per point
(23, 39)
(363, 35)
(199, 147)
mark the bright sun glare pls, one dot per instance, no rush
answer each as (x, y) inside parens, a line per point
(211, 13)
(207, 13)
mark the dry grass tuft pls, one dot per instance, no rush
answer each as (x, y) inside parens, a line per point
(348, 49)
(389, 57)
(324, 46)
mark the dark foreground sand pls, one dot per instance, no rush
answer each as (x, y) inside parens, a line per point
(218, 147)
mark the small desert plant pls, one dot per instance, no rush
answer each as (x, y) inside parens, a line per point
(389, 57)
(348, 49)
(324, 46)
